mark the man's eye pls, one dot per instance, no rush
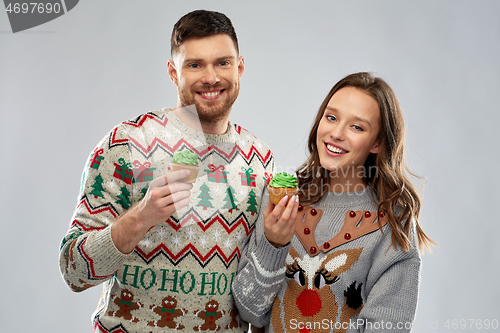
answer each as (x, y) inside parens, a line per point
(194, 66)
(224, 63)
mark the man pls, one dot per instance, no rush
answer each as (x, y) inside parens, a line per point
(166, 250)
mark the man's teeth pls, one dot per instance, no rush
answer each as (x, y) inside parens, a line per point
(335, 149)
(211, 94)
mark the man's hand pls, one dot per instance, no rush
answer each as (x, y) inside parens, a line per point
(166, 194)
(279, 221)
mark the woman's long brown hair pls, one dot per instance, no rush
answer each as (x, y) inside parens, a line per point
(394, 192)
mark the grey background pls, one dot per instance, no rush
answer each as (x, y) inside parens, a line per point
(65, 84)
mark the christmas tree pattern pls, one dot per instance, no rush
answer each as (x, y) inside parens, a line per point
(124, 198)
(252, 203)
(97, 187)
(205, 197)
(143, 192)
(231, 202)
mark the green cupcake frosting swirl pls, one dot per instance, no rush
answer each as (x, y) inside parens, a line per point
(283, 179)
(185, 157)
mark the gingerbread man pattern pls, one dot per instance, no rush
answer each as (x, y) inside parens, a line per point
(210, 315)
(234, 319)
(126, 305)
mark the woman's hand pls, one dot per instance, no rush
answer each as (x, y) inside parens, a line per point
(279, 220)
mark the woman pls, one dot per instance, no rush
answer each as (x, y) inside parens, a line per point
(347, 258)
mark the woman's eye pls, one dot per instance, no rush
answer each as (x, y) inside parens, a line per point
(330, 117)
(357, 128)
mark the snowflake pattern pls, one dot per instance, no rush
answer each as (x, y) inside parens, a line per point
(147, 241)
(228, 243)
(126, 130)
(113, 186)
(141, 137)
(152, 128)
(246, 290)
(239, 236)
(162, 233)
(243, 192)
(268, 299)
(217, 234)
(204, 241)
(217, 188)
(176, 240)
(106, 220)
(190, 233)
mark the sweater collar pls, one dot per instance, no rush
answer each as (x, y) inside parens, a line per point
(209, 138)
(347, 198)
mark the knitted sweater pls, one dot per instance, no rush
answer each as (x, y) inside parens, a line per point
(353, 282)
(179, 275)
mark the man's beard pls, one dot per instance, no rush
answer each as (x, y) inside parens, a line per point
(211, 111)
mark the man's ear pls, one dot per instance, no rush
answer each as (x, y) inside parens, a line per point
(172, 72)
(241, 66)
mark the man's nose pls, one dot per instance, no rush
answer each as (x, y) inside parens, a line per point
(210, 75)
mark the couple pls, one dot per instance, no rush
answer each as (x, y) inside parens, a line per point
(214, 254)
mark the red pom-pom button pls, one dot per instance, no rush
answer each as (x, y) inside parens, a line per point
(300, 208)
(312, 249)
(352, 213)
(368, 214)
(382, 214)
(326, 245)
(313, 212)
(307, 231)
(347, 236)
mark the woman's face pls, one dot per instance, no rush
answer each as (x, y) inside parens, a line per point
(348, 133)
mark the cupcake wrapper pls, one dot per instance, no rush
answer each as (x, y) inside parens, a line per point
(193, 168)
(277, 193)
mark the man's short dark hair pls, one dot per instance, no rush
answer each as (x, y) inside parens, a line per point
(198, 24)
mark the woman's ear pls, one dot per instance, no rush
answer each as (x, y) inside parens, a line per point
(374, 150)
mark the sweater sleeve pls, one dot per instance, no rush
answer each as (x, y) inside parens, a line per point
(88, 255)
(392, 292)
(261, 272)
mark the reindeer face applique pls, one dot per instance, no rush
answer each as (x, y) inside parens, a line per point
(308, 297)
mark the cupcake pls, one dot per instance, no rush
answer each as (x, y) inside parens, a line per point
(282, 184)
(186, 160)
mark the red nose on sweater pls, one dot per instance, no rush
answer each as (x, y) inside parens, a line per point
(308, 302)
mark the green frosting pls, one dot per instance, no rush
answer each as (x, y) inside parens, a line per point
(283, 179)
(185, 157)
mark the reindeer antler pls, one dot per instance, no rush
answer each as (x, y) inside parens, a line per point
(305, 223)
(356, 224)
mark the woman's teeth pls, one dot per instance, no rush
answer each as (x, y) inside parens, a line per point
(335, 150)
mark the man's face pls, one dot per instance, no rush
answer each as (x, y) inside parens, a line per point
(206, 72)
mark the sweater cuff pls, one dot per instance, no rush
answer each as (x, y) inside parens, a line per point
(269, 257)
(104, 254)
